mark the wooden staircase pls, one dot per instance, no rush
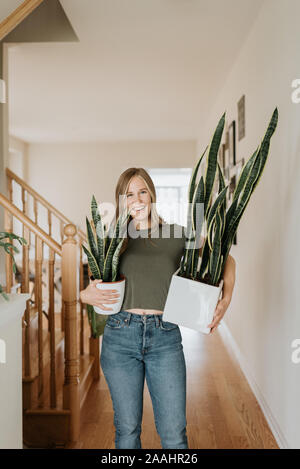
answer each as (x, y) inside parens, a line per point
(60, 358)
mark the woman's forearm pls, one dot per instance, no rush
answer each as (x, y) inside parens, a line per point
(229, 277)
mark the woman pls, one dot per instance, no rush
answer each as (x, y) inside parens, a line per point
(137, 343)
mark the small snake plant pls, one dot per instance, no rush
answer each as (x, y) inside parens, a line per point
(7, 246)
(103, 256)
(220, 224)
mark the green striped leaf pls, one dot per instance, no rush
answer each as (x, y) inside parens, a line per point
(204, 260)
(216, 250)
(198, 218)
(264, 151)
(244, 175)
(212, 160)
(91, 239)
(221, 178)
(100, 235)
(115, 261)
(217, 203)
(92, 263)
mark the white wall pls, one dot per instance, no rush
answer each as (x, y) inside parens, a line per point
(17, 157)
(264, 315)
(68, 174)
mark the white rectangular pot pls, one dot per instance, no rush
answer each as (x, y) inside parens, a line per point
(119, 285)
(191, 303)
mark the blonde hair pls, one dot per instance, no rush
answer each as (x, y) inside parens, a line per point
(121, 190)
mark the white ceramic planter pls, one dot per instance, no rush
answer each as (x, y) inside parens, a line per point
(120, 287)
(191, 303)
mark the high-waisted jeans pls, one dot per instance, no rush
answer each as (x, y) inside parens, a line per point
(135, 347)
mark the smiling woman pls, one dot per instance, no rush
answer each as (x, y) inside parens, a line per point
(137, 343)
(157, 260)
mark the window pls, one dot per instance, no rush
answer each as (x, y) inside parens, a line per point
(171, 186)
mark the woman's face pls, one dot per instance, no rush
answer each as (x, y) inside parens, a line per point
(138, 199)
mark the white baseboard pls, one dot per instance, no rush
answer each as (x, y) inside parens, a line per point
(273, 424)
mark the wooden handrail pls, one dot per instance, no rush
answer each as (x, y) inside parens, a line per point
(17, 16)
(30, 224)
(10, 174)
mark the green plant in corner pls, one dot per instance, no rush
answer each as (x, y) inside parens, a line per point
(103, 256)
(220, 224)
(8, 246)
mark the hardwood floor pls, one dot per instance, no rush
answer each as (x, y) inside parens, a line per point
(222, 411)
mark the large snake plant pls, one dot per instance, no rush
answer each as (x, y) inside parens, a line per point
(103, 256)
(220, 224)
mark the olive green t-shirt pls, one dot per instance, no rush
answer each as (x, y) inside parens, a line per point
(148, 265)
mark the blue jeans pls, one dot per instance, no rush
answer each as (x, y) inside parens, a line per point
(135, 347)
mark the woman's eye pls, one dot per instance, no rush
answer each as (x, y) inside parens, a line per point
(129, 195)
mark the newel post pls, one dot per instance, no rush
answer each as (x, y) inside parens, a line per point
(69, 297)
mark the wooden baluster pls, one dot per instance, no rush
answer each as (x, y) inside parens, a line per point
(10, 188)
(69, 293)
(39, 305)
(23, 200)
(50, 286)
(35, 212)
(10, 230)
(35, 209)
(51, 325)
(25, 289)
(49, 222)
(81, 286)
(25, 248)
(8, 227)
(62, 303)
(28, 392)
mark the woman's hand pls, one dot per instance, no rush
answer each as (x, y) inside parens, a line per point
(96, 297)
(220, 310)
(228, 285)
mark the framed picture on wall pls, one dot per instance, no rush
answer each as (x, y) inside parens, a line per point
(232, 150)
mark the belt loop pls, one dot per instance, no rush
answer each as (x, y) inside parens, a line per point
(128, 317)
(156, 316)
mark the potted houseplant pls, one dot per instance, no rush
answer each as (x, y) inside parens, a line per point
(103, 259)
(7, 246)
(195, 289)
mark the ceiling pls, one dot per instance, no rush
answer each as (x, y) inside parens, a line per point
(142, 70)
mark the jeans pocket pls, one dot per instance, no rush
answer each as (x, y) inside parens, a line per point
(167, 326)
(114, 323)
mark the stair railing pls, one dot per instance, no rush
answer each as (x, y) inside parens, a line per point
(52, 215)
(68, 253)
